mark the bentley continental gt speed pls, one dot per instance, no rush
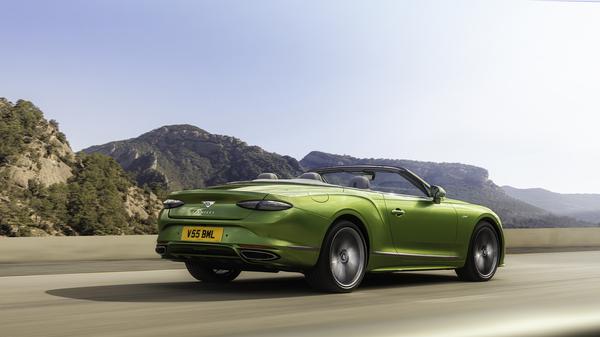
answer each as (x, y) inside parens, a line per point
(332, 224)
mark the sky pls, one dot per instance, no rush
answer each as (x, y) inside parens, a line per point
(511, 86)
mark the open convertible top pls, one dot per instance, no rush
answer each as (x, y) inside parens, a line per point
(314, 176)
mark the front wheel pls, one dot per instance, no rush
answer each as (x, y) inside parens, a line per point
(484, 255)
(341, 264)
(209, 274)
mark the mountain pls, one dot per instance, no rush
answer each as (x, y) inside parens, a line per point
(585, 207)
(464, 182)
(49, 190)
(184, 156)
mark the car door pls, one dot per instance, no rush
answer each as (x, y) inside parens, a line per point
(421, 228)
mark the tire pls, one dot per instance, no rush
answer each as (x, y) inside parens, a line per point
(484, 255)
(211, 275)
(342, 261)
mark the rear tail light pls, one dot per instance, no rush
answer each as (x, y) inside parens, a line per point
(264, 205)
(172, 203)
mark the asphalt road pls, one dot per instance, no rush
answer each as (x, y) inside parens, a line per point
(549, 294)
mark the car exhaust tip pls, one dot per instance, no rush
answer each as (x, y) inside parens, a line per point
(160, 250)
(258, 255)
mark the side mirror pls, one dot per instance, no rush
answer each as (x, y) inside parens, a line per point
(437, 193)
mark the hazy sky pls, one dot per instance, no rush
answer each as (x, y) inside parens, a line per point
(512, 86)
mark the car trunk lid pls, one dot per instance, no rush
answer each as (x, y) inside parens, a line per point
(212, 204)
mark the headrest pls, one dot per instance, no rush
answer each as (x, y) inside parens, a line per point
(359, 182)
(267, 176)
(311, 175)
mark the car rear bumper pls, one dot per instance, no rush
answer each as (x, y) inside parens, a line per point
(282, 240)
(244, 257)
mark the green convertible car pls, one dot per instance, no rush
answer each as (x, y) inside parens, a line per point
(332, 224)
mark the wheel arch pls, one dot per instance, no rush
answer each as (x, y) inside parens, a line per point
(498, 228)
(321, 275)
(360, 223)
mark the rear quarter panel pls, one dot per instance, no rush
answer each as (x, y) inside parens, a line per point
(367, 207)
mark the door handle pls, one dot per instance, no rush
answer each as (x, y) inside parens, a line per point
(398, 212)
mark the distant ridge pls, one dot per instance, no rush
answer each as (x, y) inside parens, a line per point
(582, 206)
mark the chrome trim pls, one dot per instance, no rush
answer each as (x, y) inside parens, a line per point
(300, 247)
(276, 247)
(432, 256)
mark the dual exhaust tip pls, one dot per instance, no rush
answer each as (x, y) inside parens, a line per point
(258, 255)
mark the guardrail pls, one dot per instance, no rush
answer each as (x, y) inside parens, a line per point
(82, 248)
(73, 248)
(517, 238)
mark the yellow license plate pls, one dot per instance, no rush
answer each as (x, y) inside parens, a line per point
(202, 233)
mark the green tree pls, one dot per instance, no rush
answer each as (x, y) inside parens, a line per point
(95, 199)
(18, 126)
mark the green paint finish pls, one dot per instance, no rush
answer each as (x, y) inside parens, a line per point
(403, 232)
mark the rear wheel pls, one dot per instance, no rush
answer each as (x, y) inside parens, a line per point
(341, 264)
(209, 274)
(484, 255)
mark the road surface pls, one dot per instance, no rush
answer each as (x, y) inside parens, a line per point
(548, 294)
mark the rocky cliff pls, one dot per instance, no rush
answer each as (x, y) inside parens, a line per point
(46, 189)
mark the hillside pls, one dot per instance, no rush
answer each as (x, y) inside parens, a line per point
(49, 190)
(465, 182)
(184, 156)
(585, 207)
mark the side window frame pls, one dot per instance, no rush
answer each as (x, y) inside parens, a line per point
(406, 174)
(424, 192)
